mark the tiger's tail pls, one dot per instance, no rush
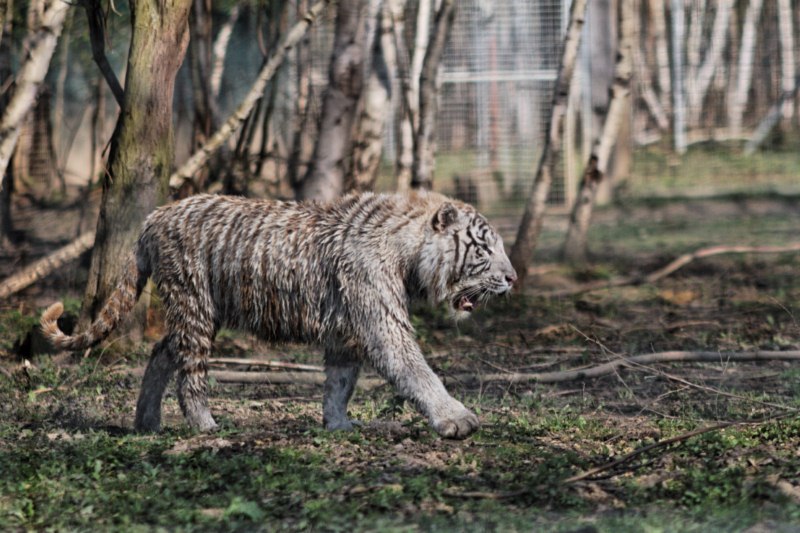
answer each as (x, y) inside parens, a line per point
(119, 304)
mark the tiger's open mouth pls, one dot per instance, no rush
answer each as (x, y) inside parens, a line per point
(464, 303)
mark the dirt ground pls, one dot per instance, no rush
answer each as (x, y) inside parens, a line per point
(66, 439)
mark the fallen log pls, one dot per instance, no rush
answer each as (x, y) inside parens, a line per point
(45, 265)
(591, 372)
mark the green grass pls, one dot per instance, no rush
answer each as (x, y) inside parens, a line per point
(285, 472)
(69, 460)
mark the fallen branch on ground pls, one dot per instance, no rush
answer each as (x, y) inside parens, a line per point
(678, 438)
(262, 362)
(635, 360)
(673, 266)
(278, 378)
(318, 378)
(45, 265)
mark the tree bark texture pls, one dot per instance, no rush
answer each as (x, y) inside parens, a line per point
(531, 224)
(302, 144)
(6, 13)
(788, 68)
(41, 43)
(705, 71)
(659, 29)
(678, 93)
(425, 136)
(574, 250)
(142, 145)
(324, 179)
(376, 104)
(410, 74)
(220, 51)
(738, 105)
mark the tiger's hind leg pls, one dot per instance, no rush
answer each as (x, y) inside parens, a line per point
(191, 336)
(160, 368)
(193, 355)
(341, 374)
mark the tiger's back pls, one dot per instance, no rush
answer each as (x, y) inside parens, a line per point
(282, 270)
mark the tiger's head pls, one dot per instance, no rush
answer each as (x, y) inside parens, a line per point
(463, 259)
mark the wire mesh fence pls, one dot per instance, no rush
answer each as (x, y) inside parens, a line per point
(714, 102)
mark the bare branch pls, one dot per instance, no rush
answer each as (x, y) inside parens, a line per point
(44, 266)
(201, 156)
(42, 41)
(261, 362)
(97, 35)
(644, 359)
(673, 266)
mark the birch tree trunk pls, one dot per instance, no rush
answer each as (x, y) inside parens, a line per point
(410, 117)
(302, 144)
(659, 29)
(738, 105)
(678, 89)
(376, 103)
(425, 141)
(142, 146)
(786, 30)
(220, 51)
(694, 39)
(574, 250)
(705, 71)
(531, 224)
(41, 42)
(325, 177)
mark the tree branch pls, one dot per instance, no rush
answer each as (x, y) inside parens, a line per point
(44, 266)
(318, 378)
(673, 266)
(672, 440)
(634, 360)
(97, 35)
(201, 156)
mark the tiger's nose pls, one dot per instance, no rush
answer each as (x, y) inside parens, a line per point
(511, 277)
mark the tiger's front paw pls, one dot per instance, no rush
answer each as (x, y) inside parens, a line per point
(458, 425)
(343, 424)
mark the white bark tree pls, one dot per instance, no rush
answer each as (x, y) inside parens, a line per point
(788, 68)
(574, 249)
(744, 79)
(324, 179)
(531, 224)
(376, 102)
(658, 25)
(410, 117)
(41, 43)
(705, 71)
(424, 137)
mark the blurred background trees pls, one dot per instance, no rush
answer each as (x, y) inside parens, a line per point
(375, 88)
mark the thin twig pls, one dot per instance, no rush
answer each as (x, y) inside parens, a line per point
(644, 359)
(673, 266)
(678, 438)
(262, 362)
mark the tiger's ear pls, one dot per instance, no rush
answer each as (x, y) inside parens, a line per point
(445, 216)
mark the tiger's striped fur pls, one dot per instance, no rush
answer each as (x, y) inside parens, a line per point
(339, 274)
